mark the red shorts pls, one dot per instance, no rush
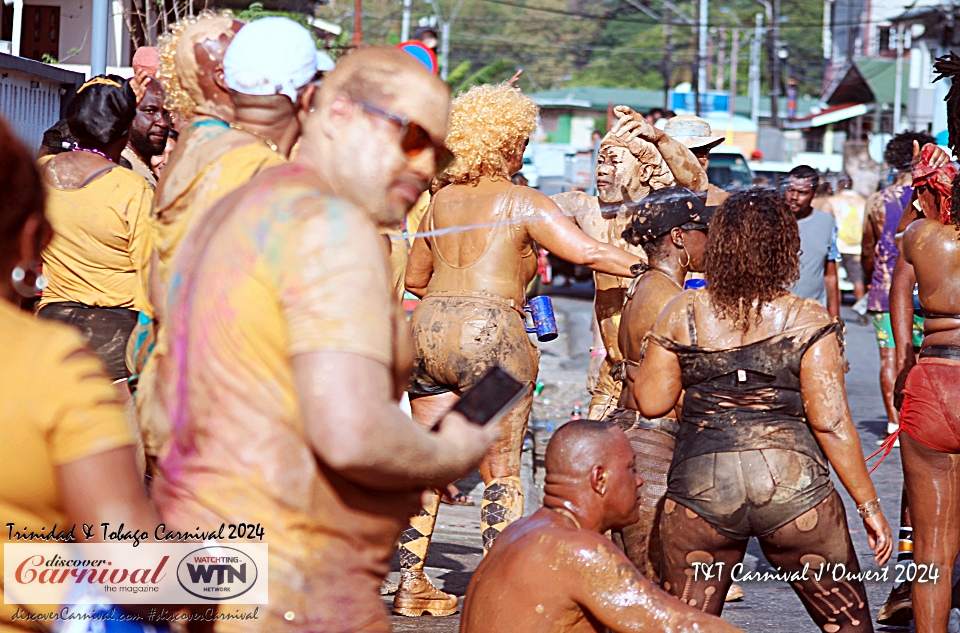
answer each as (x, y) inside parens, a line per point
(931, 408)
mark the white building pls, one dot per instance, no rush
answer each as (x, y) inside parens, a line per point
(58, 31)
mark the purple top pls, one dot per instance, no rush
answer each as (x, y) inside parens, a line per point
(878, 300)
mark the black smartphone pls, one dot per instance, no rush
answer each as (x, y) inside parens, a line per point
(490, 397)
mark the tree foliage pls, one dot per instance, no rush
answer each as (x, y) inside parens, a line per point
(615, 43)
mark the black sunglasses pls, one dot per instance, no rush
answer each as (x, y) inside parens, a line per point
(413, 138)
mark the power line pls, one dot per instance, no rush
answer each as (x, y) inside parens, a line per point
(605, 18)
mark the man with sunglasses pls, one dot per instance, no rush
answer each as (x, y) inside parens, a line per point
(289, 352)
(634, 159)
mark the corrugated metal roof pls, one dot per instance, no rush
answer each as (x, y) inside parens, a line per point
(869, 79)
(597, 98)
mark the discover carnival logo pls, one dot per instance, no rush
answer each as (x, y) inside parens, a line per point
(217, 573)
(113, 573)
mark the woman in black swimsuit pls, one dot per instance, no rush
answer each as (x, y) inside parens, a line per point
(763, 412)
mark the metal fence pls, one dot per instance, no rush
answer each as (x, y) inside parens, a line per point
(34, 96)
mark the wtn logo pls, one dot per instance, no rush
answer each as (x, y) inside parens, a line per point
(204, 573)
(217, 573)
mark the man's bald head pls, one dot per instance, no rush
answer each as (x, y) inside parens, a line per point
(580, 445)
(591, 471)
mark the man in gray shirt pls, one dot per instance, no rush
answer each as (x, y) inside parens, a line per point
(818, 241)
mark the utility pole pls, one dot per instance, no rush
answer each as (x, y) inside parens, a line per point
(357, 40)
(775, 65)
(667, 68)
(445, 34)
(898, 82)
(717, 36)
(755, 68)
(701, 83)
(734, 68)
(98, 37)
(17, 27)
(405, 23)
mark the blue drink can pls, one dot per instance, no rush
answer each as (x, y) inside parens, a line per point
(694, 284)
(544, 321)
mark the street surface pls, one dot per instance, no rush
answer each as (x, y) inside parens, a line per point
(768, 606)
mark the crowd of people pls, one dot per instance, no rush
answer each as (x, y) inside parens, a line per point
(229, 235)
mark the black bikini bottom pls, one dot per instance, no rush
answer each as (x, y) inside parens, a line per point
(105, 331)
(950, 352)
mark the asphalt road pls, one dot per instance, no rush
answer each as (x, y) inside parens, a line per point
(768, 606)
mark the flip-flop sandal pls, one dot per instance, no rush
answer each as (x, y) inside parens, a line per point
(459, 499)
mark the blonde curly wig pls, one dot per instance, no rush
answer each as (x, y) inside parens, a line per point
(178, 68)
(489, 126)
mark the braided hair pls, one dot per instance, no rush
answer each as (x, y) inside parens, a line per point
(948, 66)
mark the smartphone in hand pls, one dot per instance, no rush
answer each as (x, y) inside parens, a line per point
(490, 397)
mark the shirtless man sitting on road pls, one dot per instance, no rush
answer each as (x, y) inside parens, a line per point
(555, 571)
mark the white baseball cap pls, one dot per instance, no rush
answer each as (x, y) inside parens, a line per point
(271, 56)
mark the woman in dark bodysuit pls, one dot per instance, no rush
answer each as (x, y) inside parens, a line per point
(764, 409)
(671, 225)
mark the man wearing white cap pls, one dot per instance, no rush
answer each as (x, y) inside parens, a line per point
(695, 134)
(288, 352)
(268, 70)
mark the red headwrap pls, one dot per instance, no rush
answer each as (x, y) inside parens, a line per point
(940, 179)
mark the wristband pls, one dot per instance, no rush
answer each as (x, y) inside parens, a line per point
(869, 509)
(598, 352)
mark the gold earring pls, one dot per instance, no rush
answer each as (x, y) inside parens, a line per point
(682, 264)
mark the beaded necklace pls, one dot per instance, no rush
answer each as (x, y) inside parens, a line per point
(92, 151)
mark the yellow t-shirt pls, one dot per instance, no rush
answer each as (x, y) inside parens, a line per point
(57, 406)
(216, 162)
(306, 273)
(101, 244)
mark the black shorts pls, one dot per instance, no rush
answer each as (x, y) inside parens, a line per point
(105, 331)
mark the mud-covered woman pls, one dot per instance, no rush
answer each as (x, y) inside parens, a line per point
(929, 431)
(670, 225)
(764, 414)
(471, 265)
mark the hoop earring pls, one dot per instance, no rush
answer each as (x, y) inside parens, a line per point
(682, 264)
(27, 281)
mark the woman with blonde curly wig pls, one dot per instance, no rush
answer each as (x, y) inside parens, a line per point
(191, 65)
(763, 416)
(471, 264)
